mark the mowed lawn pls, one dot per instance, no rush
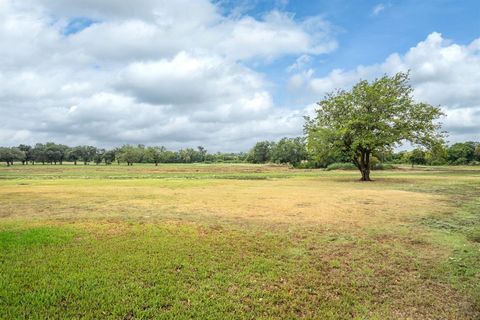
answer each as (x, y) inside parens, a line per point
(238, 242)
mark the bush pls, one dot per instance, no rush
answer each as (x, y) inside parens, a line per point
(374, 162)
(460, 161)
(437, 162)
(341, 166)
(383, 166)
(307, 165)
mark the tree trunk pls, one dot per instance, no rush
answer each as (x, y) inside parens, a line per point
(364, 165)
(365, 174)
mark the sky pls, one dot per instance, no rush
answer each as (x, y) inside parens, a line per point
(223, 74)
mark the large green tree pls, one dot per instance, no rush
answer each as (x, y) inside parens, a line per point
(370, 117)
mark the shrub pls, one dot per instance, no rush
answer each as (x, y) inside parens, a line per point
(374, 162)
(438, 162)
(460, 161)
(383, 166)
(341, 166)
(307, 165)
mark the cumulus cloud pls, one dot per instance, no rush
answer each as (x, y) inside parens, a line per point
(442, 73)
(164, 72)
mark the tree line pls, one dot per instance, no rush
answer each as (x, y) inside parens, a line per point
(52, 153)
(292, 151)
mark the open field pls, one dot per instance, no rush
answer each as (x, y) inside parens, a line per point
(238, 241)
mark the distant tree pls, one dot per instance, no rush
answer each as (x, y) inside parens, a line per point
(40, 153)
(10, 155)
(28, 151)
(189, 155)
(130, 154)
(155, 154)
(98, 156)
(202, 153)
(109, 156)
(477, 152)
(87, 154)
(437, 154)
(461, 153)
(416, 156)
(75, 154)
(372, 116)
(261, 152)
(289, 150)
(56, 153)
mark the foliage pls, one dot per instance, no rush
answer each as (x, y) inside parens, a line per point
(462, 152)
(289, 150)
(416, 156)
(9, 155)
(261, 152)
(371, 117)
(341, 166)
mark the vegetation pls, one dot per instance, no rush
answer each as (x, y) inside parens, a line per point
(372, 117)
(161, 242)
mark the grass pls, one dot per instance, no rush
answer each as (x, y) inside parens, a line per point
(238, 242)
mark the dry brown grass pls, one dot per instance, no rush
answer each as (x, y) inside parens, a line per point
(319, 202)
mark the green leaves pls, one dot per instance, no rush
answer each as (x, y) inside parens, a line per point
(371, 117)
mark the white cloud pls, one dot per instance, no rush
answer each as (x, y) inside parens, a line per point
(145, 72)
(378, 8)
(442, 73)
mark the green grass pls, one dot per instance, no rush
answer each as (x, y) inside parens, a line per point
(238, 242)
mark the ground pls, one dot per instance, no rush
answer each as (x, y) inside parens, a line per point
(238, 241)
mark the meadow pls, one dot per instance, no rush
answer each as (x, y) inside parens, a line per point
(238, 241)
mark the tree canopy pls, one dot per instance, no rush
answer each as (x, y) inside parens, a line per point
(371, 117)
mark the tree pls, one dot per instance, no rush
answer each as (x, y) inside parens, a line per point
(28, 150)
(477, 152)
(372, 116)
(155, 154)
(461, 153)
(87, 153)
(56, 152)
(9, 155)
(437, 155)
(75, 154)
(202, 153)
(40, 153)
(98, 156)
(261, 152)
(289, 150)
(109, 156)
(130, 154)
(416, 156)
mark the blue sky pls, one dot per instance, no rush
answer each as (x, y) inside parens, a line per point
(369, 31)
(221, 73)
(366, 37)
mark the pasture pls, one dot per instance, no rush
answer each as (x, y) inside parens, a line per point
(237, 241)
